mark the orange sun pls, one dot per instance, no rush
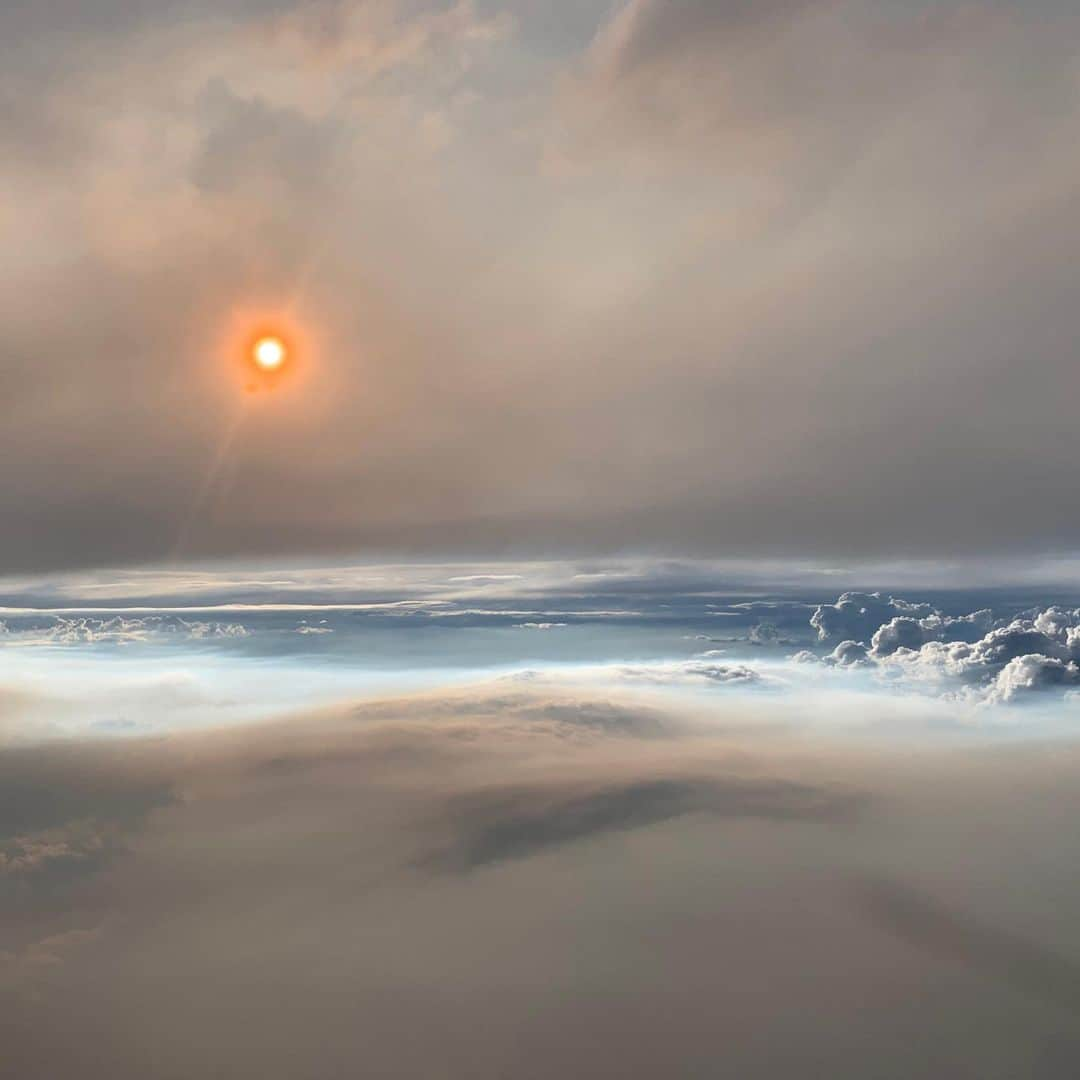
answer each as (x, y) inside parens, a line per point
(268, 350)
(269, 353)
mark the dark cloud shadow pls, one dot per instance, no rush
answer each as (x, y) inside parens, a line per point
(65, 813)
(518, 822)
(958, 938)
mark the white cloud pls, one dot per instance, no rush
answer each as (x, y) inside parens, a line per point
(117, 630)
(857, 615)
(703, 670)
(975, 656)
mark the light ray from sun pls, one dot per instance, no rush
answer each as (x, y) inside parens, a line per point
(205, 490)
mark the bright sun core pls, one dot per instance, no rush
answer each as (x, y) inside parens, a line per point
(269, 353)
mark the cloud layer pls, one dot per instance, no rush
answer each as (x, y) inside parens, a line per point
(479, 883)
(157, 650)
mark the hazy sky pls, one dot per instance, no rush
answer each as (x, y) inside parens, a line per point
(686, 275)
(515, 883)
(637, 632)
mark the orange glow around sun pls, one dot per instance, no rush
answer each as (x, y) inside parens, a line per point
(269, 350)
(269, 353)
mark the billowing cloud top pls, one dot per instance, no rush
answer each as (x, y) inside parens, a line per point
(994, 659)
(702, 276)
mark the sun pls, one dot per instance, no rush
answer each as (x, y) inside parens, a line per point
(269, 353)
(268, 350)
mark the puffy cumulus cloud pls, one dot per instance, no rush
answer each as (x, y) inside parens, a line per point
(857, 615)
(907, 632)
(996, 660)
(848, 654)
(1001, 666)
(887, 624)
(1033, 672)
(1056, 622)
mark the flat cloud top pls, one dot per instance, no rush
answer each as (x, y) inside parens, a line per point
(481, 882)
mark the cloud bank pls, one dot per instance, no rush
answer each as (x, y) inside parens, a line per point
(1000, 660)
(478, 883)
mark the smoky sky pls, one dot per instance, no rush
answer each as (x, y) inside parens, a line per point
(446, 884)
(663, 275)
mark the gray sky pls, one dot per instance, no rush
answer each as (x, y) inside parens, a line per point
(700, 277)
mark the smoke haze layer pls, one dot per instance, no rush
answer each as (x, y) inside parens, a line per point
(521, 882)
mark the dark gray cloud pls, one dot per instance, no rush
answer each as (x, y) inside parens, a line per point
(647, 32)
(958, 938)
(493, 826)
(43, 790)
(250, 144)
